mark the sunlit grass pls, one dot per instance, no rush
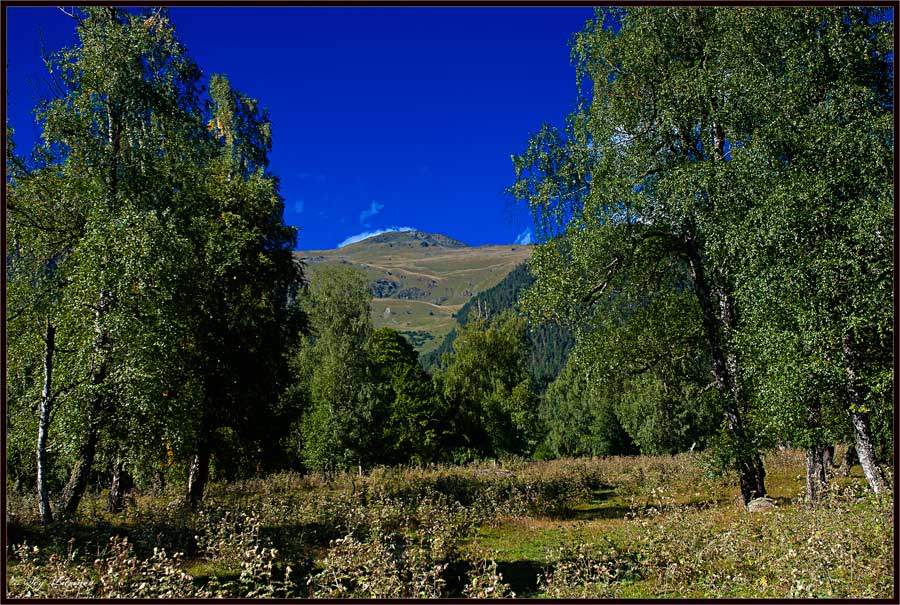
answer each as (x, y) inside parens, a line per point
(641, 527)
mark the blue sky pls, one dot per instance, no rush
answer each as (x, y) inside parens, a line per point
(382, 116)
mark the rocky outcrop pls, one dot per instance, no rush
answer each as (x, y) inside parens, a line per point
(383, 288)
(413, 293)
(761, 505)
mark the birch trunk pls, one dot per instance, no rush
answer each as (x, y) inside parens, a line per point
(120, 484)
(81, 471)
(725, 375)
(828, 458)
(87, 449)
(815, 473)
(198, 475)
(865, 449)
(46, 407)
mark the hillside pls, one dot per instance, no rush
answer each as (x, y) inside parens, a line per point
(420, 280)
(548, 344)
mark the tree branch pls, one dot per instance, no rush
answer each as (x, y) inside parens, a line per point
(598, 290)
(71, 15)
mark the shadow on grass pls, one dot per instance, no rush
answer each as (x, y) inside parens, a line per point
(298, 541)
(604, 504)
(522, 576)
(90, 540)
(615, 511)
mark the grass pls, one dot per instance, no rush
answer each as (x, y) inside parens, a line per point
(642, 527)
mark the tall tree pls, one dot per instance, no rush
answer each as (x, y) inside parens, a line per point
(711, 135)
(820, 227)
(174, 282)
(40, 236)
(104, 172)
(579, 416)
(341, 402)
(618, 194)
(417, 422)
(487, 381)
(245, 317)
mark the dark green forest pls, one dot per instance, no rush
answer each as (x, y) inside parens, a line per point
(548, 344)
(714, 272)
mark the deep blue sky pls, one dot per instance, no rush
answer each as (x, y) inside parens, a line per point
(408, 112)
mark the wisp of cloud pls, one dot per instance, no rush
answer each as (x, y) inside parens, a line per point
(367, 234)
(374, 209)
(524, 238)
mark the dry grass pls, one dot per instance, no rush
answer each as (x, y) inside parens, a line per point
(639, 527)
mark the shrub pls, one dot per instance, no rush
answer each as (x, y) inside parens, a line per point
(117, 573)
(588, 571)
(385, 568)
(485, 582)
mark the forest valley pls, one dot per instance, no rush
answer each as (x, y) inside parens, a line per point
(712, 294)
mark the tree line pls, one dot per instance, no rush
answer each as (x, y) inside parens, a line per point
(548, 343)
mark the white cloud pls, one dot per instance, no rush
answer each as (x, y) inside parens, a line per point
(374, 209)
(298, 206)
(367, 234)
(524, 238)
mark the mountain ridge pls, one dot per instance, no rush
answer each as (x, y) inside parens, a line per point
(423, 239)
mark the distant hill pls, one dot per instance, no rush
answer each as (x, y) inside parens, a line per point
(420, 280)
(548, 344)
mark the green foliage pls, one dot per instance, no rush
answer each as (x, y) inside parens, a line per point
(720, 207)
(417, 337)
(94, 218)
(815, 245)
(156, 249)
(417, 423)
(341, 402)
(548, 344)
(579, 419)
(487, 381)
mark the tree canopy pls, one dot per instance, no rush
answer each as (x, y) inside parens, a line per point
(719, 207)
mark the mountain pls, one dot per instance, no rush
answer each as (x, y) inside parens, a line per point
(548, 344)
(420, 280)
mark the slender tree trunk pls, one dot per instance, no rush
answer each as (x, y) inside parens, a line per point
(724, 369)
(865, 449)
(87, 449)
(815, 453)
(198, 474)
(815, 473)
(828, 458)
(81, 471)
(120, 484)
(157, 482)
(46, 406)
(718, 141)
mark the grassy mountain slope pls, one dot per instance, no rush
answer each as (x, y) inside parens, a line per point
(420, 280)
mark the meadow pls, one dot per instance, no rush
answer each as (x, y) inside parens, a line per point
(619, 527)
